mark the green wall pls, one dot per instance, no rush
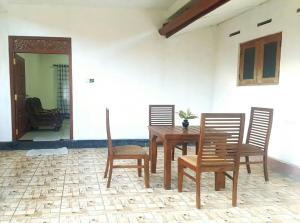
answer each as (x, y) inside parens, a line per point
(40, 78)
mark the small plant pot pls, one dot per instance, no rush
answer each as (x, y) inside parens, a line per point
(185, 123)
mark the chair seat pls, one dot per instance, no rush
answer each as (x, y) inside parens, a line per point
(248, 150)
(128, 150)
(192, 160)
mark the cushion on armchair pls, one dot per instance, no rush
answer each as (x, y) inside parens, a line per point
(42, 117)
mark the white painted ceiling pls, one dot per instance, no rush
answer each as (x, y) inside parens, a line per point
(227, 11)
(155, 4)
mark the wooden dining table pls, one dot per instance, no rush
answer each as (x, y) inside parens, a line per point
(172, 136)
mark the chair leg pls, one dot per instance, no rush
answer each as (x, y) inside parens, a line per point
(180, 175)
(265, 163)
(106, 168)
(196, 148)
(198, 196)
(110, 172)
(139, 163)
(248, 164)
(234, 188)
(146, 172)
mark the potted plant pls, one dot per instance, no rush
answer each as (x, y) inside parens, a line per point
(186, 116)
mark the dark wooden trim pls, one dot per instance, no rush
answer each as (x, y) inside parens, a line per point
(286, 169)
(29, 144)
(198, 9)
(39, 45)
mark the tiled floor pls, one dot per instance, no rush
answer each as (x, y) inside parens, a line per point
(49, 135)
(71, 188)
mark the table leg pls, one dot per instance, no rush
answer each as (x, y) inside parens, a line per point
(219, 180)
(167, 165)
(149, 141)
(153, 154)
(184, 149)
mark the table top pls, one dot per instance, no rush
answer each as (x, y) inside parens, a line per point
(175, 132)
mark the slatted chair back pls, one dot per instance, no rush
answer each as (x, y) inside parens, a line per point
(221, 136)
(161, 115)
(109, 140)
(259, 129)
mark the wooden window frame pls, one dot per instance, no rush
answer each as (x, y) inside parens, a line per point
(259, 44)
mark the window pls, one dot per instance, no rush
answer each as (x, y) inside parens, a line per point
(260, 60)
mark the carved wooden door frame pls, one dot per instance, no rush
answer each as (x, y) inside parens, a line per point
(41, 45)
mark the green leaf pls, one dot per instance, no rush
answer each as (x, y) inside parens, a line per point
(192, 116)
(187, 115)
(182, 114)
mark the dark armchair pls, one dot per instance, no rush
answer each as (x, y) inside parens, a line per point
(40, 117)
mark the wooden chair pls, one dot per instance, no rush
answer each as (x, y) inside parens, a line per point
(221, 135)
(163, 115)
(258, 136)
(125, 152)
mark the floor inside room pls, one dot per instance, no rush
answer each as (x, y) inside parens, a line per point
(71, 188)
(46, 134)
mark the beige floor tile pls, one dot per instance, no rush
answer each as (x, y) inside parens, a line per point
(71, 188)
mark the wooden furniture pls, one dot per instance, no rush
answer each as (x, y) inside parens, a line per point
(39, 117)
(221, 136)
(258, 136)
(170, 136)
(125, 152)
(163, 115)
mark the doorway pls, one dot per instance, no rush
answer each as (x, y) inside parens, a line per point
(47, 101)
(37, 113)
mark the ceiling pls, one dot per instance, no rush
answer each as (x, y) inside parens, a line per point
(144, 4)
(227, 11)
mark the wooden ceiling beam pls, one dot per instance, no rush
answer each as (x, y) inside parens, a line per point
(197, 10)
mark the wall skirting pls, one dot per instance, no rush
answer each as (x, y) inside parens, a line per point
(25, 145)
(284, 168)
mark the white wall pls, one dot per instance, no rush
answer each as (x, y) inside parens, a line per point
(40, 78)
(133, 66)
(283, 97)
(32, 73)
(48, 81)
(175, 6)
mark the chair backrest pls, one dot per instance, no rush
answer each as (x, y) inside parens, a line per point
(221, 135)
(259, 129)
(29, 108)
(109, 140)
(37, 105)
(161, 115)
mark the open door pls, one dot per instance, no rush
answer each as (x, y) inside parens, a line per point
(37, 45)
(21, 120)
